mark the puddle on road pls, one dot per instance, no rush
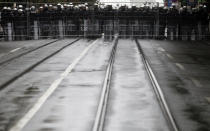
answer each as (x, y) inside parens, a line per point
(62, 97)
(31, 90)
(52, 119)
(177, 84)
(18, 104)
(180, 89)
(196, 114)
(22, 100)
(47, 129)
(26, 95)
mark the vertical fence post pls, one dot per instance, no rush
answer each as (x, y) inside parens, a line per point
(28, 20)
(60, 27)
(177, 32)
(135, 27)
(199, 31)
(109, 30)
(157, 25)
(9, 30)
(209, 29)
(35, 30)
(166, 32)
(172, 34)
(85, 27)
(193, 35)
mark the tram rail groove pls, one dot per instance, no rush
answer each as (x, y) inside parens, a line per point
(6, 83)
(101, 111)
(24, 53)
(158, 92)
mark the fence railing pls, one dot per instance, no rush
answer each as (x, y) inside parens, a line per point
(126, 28)
(129, 22)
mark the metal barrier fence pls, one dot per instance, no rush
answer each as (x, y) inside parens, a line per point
(141, 22)
(88, 28)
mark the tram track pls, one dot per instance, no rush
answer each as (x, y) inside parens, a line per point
(101, 111)
(24, 120)
(158, 91)
(104, 98)
(26, 52)
(21, 73)
(101, 114)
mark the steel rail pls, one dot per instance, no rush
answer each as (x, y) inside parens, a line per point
(158, 92)
(101, 111)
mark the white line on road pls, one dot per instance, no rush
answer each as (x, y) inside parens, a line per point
(169, 56)
(180, 66)
(28, 116)
(161, 49)
(208, 99)
(196, 82)
(15, 50)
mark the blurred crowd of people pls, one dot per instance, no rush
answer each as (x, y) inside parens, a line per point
(146, 21)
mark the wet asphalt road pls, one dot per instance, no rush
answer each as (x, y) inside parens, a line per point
(18, 97)
(7, 48)
(73, 104)
(19, 65)
(182, 69)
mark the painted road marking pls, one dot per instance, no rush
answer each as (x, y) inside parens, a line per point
(208, 99)
(169, 56)
(180, 66)
(196, 82)
(15, 50)
(161, 49)
(28, 116)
